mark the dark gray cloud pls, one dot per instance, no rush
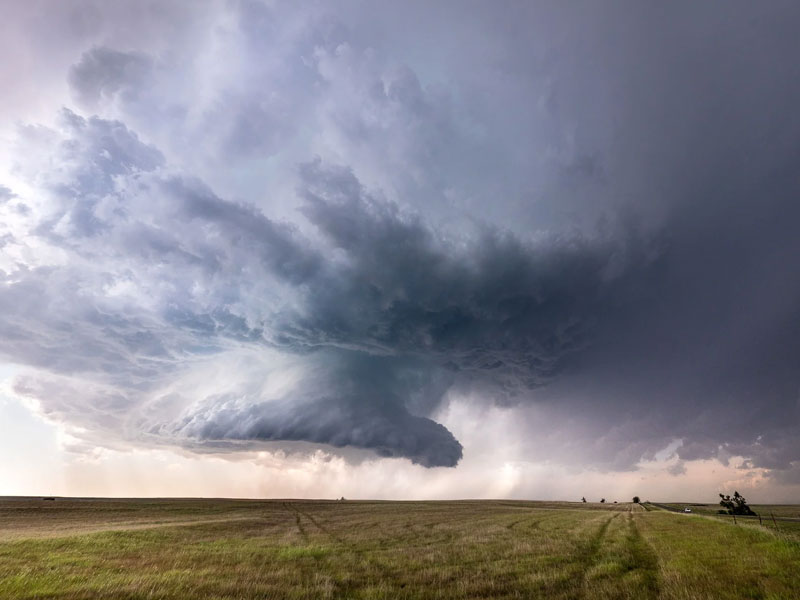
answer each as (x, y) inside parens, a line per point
(349, 399)
(103, 73)
(482, 302)
(587, 209)
(403, 310)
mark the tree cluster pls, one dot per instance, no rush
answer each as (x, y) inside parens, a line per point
(735, 505)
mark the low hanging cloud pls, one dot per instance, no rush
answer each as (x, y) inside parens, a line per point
(332, 233)
(345, 399)
(399, 311)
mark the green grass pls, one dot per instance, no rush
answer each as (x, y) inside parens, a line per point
(791, 511)
(294, 549)
(786, 523)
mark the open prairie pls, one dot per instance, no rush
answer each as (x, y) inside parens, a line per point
(767, 511)
(170, 549)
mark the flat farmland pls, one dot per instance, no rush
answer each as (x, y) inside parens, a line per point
(170, 549)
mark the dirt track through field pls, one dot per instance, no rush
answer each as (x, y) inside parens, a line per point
(365, 558)
(592, 553)
(644, 558)
(297, 519)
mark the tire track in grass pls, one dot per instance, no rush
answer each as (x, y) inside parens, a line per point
(421, 533)
(387, 573)
(591, 555)
(597, 539)
(634, 564)
(336, 538)
(528, 525)
(644, 559)
(298, 521)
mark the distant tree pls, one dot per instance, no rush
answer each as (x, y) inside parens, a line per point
(735, 505)
(636, 500)
(602, 500)
(583, 499)
(615, 501)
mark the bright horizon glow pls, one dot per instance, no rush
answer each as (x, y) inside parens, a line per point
(45, 466)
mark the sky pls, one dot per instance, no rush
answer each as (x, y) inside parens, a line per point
(409, 250)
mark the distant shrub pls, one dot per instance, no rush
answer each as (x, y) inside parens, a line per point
(583, 499)
(636, 500)
(602, 500)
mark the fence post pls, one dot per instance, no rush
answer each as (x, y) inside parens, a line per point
(773, 519)
(734, 519)
(759, 520)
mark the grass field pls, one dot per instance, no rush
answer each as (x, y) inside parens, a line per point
(230, 549)
(781, 519)
(781, 511)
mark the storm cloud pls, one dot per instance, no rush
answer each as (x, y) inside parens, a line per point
(279, 224)
(396, 307)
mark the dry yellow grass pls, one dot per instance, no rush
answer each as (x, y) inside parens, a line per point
(171, 549)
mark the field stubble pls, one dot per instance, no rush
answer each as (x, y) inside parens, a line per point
(173, 549)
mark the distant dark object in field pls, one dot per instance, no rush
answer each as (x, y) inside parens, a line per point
(736, 505)
(341, 499)
(49, 498)
(615, 501)
(636, 500)
(583, 499)
(602, 500)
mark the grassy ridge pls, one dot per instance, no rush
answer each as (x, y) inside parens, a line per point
(786, 523)
(272, 549)
(781, 511)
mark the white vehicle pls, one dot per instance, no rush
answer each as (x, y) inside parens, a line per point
(687, 510)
